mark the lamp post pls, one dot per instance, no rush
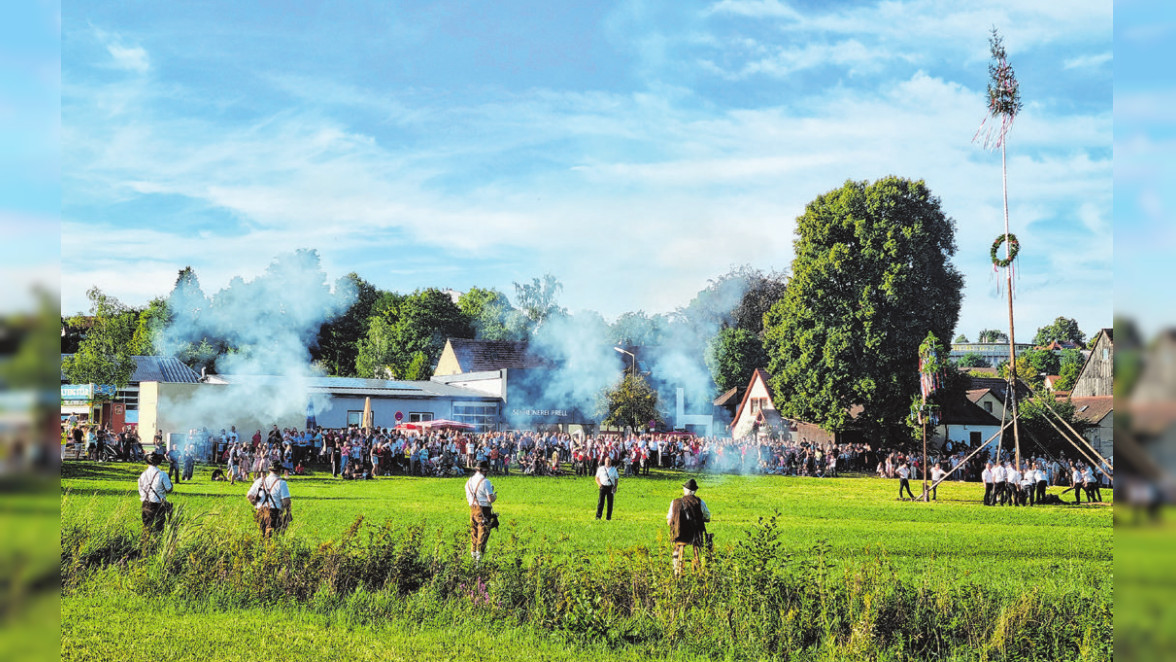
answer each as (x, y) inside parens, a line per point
(633, 362)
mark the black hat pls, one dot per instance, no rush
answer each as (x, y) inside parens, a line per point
(275, 466)
(691, 485)
(483, 466)
(155, 459)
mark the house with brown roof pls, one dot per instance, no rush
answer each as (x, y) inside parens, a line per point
(465, 355)
(756, 414)
(1099, 412)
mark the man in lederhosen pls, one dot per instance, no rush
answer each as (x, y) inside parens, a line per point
(153, 488)
(480, 496)
(270, 496)
(687, 518)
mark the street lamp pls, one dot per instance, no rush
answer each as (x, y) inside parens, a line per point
(633, 369)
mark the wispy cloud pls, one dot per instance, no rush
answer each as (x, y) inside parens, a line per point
(1088, 61)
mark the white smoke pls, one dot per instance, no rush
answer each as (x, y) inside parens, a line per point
(268, 325)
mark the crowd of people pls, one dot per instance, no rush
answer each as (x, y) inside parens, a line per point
(362, 453)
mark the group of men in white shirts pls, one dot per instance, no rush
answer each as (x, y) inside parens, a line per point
(1007, 484)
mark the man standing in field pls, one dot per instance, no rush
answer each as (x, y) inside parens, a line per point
(153, 488)
(480, 496)
(687, 518)
(607, 481)
(986, 476)
(270, 496)
(904, 475)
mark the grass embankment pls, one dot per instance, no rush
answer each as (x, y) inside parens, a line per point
(1145, 587)
(845, 571)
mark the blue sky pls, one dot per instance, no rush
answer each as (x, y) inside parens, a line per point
(632, 149)
(1145, 142)
(30, 188)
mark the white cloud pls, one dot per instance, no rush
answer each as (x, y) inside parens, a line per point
(1088, 61)
(131, 58)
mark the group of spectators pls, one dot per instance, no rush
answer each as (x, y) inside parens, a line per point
(101, 444)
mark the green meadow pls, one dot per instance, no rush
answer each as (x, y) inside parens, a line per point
(803, 568)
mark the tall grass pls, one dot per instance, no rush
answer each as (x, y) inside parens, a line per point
(751, 599)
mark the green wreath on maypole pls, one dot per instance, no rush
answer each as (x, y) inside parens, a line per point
(1014, 248)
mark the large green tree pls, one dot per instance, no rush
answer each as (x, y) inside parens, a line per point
(733, 355)
(407, 333)
(537, 299)
(1062, 329)
(339, 337)
(631, 403)
(871, 277)
(492, 315)
(104, 356)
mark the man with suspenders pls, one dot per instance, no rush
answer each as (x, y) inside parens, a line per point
(270, 496)
(153, 488)
(480, 496)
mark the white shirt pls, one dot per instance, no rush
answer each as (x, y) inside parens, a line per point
(937, 473)
(479, 490)
(999, 474)
(276, 489)
(154, 485)
(705, 511)
(986, 475)
(607, 475)
(904, 472)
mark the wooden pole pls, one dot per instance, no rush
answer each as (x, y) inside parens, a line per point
(924, 452)
(1004, 177)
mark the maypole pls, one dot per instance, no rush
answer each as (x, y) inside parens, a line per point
(1004, 102)
(930, 379)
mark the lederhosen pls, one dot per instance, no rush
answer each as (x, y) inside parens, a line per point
(269, 519)
(479, 520)
(155, 513)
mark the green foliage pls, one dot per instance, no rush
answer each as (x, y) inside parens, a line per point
(972, 360)
(406, 334)
(1036, 420)
(1063, 329)
(639, 329)
(632, 404)
(961, 340)
(537, 299)
(104, 357)
(34, 364)
(492, 315)
(992, 335)
(339, 337)
(733, 355)
(149, 329)
(872, 275)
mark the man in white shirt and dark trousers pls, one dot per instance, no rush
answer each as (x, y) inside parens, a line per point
(986, 476)
(999, 477)
(153, 488)
(480, 496)
(904, 474)
(270, 496)
(607, 481)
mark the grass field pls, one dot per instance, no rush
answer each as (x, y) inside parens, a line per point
(844, 570)
(1145, 589)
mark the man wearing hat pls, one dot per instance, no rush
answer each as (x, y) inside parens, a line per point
(687, 518)
(270, 496)
(153, 488)
(480, 496)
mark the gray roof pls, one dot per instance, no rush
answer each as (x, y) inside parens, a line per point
(166, 369)
(354, 386)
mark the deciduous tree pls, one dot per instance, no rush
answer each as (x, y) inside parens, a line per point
(871, 277)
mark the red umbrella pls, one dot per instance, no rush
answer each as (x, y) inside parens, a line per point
(443, 424)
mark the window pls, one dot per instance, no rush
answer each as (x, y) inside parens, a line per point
(418, 416)
(482, 415)
(974, 439)
(988, 407)
(354, 417)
